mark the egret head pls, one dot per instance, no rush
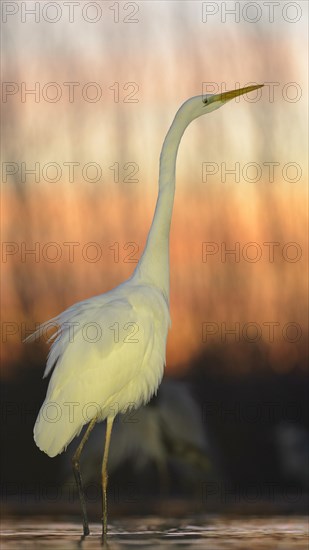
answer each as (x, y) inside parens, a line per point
(203, 104)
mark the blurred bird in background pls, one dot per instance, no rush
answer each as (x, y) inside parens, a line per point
(162, 445)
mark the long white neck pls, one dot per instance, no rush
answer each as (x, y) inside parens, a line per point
(153, 266)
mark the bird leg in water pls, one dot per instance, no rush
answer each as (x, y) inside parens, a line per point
(78, 477)
(109, 425)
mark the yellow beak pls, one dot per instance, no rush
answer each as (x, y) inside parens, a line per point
(227, 96)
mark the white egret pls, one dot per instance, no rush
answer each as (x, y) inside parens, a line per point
(119, 365)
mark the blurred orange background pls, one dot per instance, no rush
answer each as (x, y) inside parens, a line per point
(145, 70)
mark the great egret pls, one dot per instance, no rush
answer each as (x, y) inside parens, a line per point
(119, 365)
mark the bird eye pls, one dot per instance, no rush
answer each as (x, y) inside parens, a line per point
(205, 101)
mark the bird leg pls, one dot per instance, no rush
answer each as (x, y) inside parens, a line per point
(78, 477)
(109, 425)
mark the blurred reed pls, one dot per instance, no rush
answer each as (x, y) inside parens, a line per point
(168, 54)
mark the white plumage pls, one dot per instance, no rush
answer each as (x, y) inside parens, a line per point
(103, 366)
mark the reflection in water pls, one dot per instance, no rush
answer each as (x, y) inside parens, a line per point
(213, 533)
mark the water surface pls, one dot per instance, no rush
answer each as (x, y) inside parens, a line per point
(214, 533)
